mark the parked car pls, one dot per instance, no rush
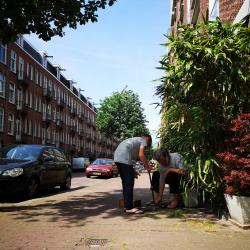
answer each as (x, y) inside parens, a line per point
(102, 167)
(80, 163)
(26, 169)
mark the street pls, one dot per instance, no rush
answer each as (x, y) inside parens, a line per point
(88, 216)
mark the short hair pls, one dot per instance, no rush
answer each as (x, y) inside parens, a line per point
(162, 152)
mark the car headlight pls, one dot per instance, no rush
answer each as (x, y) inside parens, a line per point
(13, 172)
(89, 169)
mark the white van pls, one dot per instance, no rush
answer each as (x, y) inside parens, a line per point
(80, 163)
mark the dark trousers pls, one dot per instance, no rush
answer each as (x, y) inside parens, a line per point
(127, 175)
(173, 180)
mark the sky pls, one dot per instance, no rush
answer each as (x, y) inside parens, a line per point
(122, 49)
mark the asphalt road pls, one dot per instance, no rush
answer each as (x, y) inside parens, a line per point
(79, 180)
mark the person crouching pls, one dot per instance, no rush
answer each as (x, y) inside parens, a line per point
(171, 171)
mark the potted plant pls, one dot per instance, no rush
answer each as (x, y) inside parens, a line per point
(235, 164)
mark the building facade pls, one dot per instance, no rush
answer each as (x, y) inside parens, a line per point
(38, 105)
(192, 11)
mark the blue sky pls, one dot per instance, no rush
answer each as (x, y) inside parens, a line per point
(123, 48)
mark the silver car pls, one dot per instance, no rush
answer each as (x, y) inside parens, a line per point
(80, 163)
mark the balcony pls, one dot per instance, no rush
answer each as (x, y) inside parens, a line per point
(59, 123)
(73, 111)
(61, 103)
(73, 129)
(47, 118)
(81, 132)
(22, 108)
(23, 79)
(47, 93)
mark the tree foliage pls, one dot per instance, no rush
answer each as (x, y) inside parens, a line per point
(46, 18)
(206, 83)
(121, 116)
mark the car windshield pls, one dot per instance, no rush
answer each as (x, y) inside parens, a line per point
(30, 153)
(102, 162)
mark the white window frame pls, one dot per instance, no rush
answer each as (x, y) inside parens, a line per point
(2, 82)
(13, 100)
(13, 61)
(20, 68)
(11, 131)
(3, 47)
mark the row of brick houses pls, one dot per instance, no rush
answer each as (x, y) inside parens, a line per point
(192, 11)
(38, 105)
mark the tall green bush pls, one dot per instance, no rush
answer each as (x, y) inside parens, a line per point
(206, 83)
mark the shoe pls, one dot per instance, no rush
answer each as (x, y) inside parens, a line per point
(133, 211)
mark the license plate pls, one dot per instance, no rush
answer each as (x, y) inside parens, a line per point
(97, 174)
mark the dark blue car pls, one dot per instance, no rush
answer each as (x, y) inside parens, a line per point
(26, 169)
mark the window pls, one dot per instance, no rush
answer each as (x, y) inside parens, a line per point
(28, 69)
(19, 98)
(11, 124)
(2, 85)
(45, 82)
(55, 91)
(37, 77)
(41, 80)
(35, 129)
(48, 153)
(50, 86)
(18, 127)
(30, 128)
(11, 93)
(26, 97)
(3, 50)
(214, 9)
(43, 135)
(25, 126)
(13, 61)
(59, 156)
(31, 73)
(1, 119)
(31, 100)
(19, 40)
(39, 130)
(36, 103)
(20, 68)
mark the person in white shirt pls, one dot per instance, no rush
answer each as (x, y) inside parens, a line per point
(171, 171)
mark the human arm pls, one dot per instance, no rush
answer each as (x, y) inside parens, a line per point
(144, 159)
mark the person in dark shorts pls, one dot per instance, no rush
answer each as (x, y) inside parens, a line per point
(130, 150)
(171, 171)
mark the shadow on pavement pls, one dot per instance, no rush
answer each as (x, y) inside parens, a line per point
(77, 210)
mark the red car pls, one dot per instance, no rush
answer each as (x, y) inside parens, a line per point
(102, 167)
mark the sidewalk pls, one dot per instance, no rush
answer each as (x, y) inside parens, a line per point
(70, 220)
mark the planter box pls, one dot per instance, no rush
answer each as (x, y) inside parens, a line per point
(239, 208)
(191, 198)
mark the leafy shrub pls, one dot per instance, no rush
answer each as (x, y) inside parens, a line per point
(236, 160)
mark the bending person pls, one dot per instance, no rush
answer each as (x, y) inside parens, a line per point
(130, 150)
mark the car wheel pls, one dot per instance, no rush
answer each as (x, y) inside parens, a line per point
(32, 188)
(67, 183)
(88, 176)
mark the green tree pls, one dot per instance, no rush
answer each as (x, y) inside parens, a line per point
(206, 82)
(45, 18)
(121, 116)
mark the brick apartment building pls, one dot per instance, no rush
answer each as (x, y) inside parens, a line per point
(191, 11)
(38, 105)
